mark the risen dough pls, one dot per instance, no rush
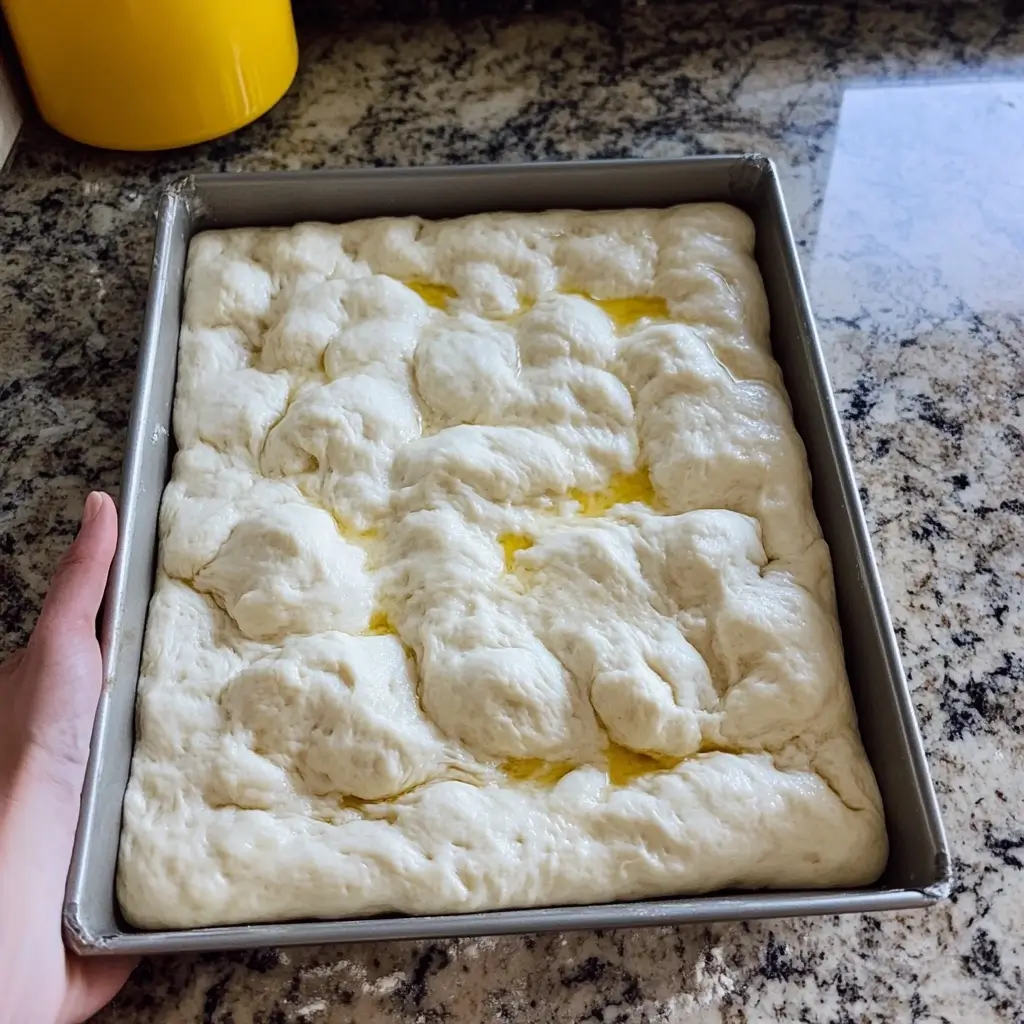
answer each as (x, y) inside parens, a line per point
(488, 577)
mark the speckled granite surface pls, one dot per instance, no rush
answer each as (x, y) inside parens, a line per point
(899, 129)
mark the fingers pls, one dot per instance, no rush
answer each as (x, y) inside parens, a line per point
(76, 590)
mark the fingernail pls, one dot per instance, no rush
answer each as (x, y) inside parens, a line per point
(92, 507)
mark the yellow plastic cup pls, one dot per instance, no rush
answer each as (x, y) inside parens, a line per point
(153, 74)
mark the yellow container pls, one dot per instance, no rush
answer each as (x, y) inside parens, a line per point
(153, 74)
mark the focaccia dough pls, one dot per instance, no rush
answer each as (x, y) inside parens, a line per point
(488, 577)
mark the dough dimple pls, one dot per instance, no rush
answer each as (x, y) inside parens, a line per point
(467, 373)
(566, 327)
(313, 319)
(383, 343)
(488, 576)
(338, 440)
(712, 441)
(285, 570)
(339, 712)
(226, 287)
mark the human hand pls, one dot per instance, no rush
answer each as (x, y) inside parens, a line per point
(48, 697)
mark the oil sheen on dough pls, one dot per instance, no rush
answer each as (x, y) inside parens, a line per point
(488, 577)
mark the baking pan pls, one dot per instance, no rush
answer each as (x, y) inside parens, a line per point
(918, 870)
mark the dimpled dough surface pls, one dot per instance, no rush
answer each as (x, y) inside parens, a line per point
(488, 577)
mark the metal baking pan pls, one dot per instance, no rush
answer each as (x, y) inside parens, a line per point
(918, 871)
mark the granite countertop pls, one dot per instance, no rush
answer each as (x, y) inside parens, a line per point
(899, 131)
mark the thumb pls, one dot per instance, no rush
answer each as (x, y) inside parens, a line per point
(76, 590)
(63, 659)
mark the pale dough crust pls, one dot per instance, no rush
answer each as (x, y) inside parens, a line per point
(488, 577)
